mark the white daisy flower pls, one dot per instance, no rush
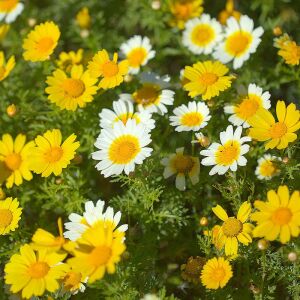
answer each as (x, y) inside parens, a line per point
(138, 51)
(248, 105)
(190, 117)
(152, 95)
(267, 167)
(202, 34)
(241, 39)
(228, 154)
(93, 213)
(122, 147)
(181, 165)
(123, 111)
(10, 10)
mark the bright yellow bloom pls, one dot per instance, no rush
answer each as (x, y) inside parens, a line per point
(111, 72)
(68, 59)
(99, 249)
(83, 18)
(6, 68)
(234, 229)
(71, 92)
(228, 12)
(290, 52)
(33, 273)
(183, 10)
(10, 215)
(277, 134)
(51, 155)
(41, 42)
(3, 31)
(74, 282)
(278, 216)
(207, 79)
(216, 273)
(15, 157)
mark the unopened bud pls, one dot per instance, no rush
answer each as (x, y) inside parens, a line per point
(263, 244)
(292, 256)
(11, 110)
(203, 221)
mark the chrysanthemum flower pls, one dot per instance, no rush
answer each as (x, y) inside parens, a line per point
(93, 213)
(123, 111)
(70, 92)
(290, 52)
(83, 18)
(10, 10)
(74, 282)
(241, 40)
(277, 134)
(202, 34)
(234, 229)
(6, 67)
(121, 148)
(98, 251)
(181, 165)
(67, 60)
(34, 273)
(41, 42)
(51, 155)
(111, 72)
(228, 12)
(216, 273)
(248, 105)
(279, 216)
(228, 154)
(192, 269)
(10, 215)
(267, 167)
(183, 10)
(4, 28)
(207, 79)
(15, 155)
(152, 95)
(190, 117)
(138, 51)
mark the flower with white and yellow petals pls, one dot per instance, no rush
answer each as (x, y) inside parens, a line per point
(267, 167)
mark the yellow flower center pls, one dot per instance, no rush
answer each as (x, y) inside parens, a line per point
(267, 168)
(218, 274)
(191, 119)
(110, 69)
(136, 57)
(238, 43)
(282, 216)
(124, 149)
(45, 44)
(13, 161)
(278, 130)
(73, 87)
(208, 78)
(183, 163)
(228, 153)
(72, 279)
(232, 227)
(5, 217)
(146, 95)
(7, 6)
(38, 270)
(202, 35)
(100, 256)
(54, 154)
(248, 107)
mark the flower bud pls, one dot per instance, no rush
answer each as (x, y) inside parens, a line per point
(156, 4)
(203, 221)
(11, 110)
(263, 244)
(285, 160)
(292, 256)
(277, 31)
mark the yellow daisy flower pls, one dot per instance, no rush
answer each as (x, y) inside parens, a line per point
(71, 92)
(111, 72)
(99, 249)
(68, 59)
(276, 134)
(234, 229)
(51, 155)
(207, 79)
(216, 273)
(228, 12)
(10, 215)
(41, 42)
(33, 273)
(6, 68)
(3, 31)
(73, 282)
(15, 157)
(290, 52)
(83, 18)
(183, 10)
(278, 216)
